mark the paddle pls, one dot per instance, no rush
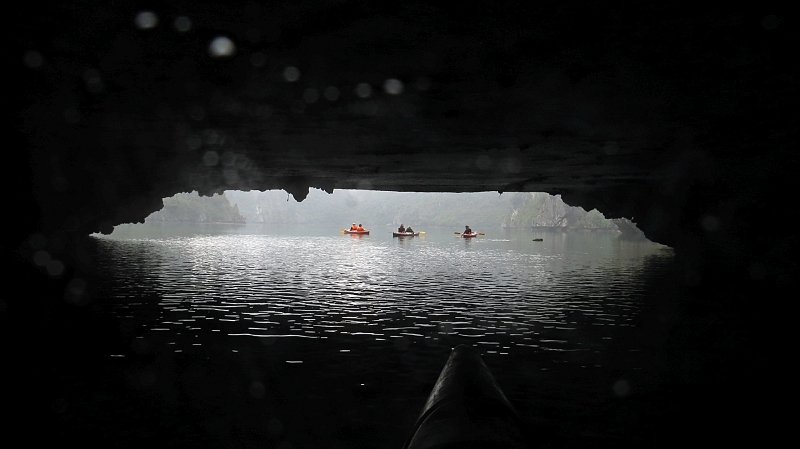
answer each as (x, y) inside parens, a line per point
(457, 232)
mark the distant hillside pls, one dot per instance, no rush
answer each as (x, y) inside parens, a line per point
(192, 208)
(375, 208)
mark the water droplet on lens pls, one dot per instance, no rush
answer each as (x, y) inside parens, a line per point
(41, 258)
(423, 83)
(38, 241)
(211, 158)
(221, 47)
(197, 113)
(331, 93)
(258, 59)
(193, 142)
(770, 22)
(274, 426)
(363, 90)
(72, 116)
(298, 106)
(55, 268)
(33, 59)
(622, 387)
(291, 74)
(77, 287)
(310, 95)
(257, 390)
(393, 86)
(183, 24)
(147, 378)
(710, 223)
(146, 20)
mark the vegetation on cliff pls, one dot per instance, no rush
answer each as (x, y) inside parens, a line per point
(193, 208)
(373, 208)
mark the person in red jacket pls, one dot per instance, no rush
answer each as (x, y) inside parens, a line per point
(354, 227)
(360, 228)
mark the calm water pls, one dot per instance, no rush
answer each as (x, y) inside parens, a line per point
(293, 337)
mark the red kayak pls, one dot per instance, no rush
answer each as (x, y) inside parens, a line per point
(347, 231)
(467, 235)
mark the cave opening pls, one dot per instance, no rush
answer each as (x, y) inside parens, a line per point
(269, 321)
(680, 117)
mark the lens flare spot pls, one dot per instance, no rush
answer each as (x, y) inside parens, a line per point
(257, 390)
(33, 59)
(291, 74)
(93, 81)
(611, 148)
(147, 378)
(221, 47)
(757, 271)
(72, 116)
(76, 287)
(258, 59)
(710, 223)
(298, 106)
(363, 90)
(770, 22)
(274, 426)
(41, 258)
(55, 268)
(37, 241)
(146, 20)
(393, 86)
(331, 93)
(622, 388)
(310, 95)
(183, 24)
(211, 158)
(231, 175)
(423, 83)
(194, 142)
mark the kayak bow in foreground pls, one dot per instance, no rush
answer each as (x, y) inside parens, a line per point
(466, 409)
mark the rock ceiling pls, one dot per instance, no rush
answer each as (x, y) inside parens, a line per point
(675, 117)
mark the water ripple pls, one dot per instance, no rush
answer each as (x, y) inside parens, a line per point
(491, 292)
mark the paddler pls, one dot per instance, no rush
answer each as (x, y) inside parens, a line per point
(360, 228)
(401, 228)
(354, 227)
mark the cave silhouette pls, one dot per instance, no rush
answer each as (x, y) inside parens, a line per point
(680, 117)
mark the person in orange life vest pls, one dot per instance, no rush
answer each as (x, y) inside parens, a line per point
(354, 227)
(360, 228)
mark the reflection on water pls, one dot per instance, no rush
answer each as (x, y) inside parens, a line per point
(337, 304)
(504, 293)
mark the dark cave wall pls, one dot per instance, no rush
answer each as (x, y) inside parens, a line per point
(677, 117)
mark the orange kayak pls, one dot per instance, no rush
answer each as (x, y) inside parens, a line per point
(347, 231)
